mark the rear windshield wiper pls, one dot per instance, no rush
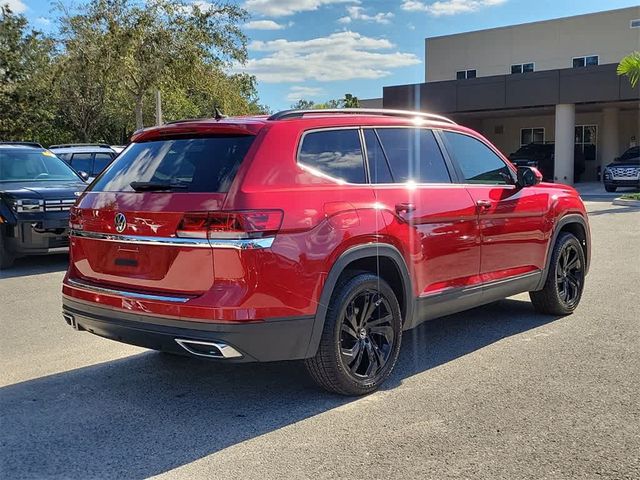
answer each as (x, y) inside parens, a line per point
(157, 186)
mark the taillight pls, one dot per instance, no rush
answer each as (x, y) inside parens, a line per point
(75, 218)
(230, 225)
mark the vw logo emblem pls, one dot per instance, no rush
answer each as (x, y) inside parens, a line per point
(120, 222)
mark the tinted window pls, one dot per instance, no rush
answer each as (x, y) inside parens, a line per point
(192, 165)
(378, 167)
(578, 62)
(479, 164)
(528, 67)
(23, 165)
(334, 152)
(414, 155)
(101, 161)
(82, 162)
(631, 154)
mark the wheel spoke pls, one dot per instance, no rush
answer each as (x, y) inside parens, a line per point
(357, 361)
(574, 263)
(349, 330)
(373, 365)
(384, 330)
(368, 309)
(379, 321)
(351, 353)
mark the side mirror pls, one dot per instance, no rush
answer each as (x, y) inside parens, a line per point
(84, 175)
(528, 177)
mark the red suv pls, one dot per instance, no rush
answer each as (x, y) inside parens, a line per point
(314, 235)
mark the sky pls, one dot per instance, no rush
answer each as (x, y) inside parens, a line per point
(321, 49)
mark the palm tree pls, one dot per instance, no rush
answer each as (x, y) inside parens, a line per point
(630, 66)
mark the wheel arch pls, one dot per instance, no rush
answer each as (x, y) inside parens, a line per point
(374, 258)
(577, 225)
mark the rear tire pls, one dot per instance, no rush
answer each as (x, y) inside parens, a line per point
(563, 287)
(6, 257)
(610, 188)
(361, 339)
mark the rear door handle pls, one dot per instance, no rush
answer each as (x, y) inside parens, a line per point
(484, 204)
(405, 207)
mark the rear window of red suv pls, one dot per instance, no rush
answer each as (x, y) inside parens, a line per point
(185, 165)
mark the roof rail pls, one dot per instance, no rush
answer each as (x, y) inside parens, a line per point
(285, 114)
(68, 145)
(26, 144)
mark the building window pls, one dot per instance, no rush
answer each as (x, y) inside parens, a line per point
(531, 135)
(585, 61)
(523, 67)
(464, 74)
(635, 23)
(587, 140)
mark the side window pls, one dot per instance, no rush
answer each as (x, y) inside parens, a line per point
(101, 161)
(378, 167)
(337, 153)
(479, 164)
(414, 155)
(82, 162)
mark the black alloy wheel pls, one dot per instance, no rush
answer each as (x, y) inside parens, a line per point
(361, 337)
(367, 335)
(570, 275)
(564, 283)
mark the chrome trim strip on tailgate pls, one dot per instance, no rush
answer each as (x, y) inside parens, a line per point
(79, 284)
(238, 244)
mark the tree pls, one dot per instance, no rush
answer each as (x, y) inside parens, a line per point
(350, 101)
(157, 44)
(25, 80)
(303, 105)
(630, 66)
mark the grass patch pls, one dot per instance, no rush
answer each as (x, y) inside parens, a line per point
(631, 196)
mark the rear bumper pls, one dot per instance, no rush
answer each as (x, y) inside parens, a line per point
(264, 341)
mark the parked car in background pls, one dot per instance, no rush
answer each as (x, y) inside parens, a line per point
(314, 235)
(542, 157)
(37, 189)
(89, 158)
(624, 171)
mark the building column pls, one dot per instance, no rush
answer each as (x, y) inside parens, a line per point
(565, 143)
(609, 137)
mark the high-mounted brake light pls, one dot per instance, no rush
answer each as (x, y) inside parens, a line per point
(230, 225)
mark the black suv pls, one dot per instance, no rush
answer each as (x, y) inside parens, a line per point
(37, 189)
(624, 171)
(542, 156)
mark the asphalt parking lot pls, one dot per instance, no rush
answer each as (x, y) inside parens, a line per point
(497, 392)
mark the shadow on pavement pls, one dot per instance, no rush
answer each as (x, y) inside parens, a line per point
(35, 265)
(150, 413)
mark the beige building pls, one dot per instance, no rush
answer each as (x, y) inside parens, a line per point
(551, 81)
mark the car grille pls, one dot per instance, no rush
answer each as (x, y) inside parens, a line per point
(625, 172)
(59, 205)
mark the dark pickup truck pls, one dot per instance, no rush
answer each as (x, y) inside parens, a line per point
(37, 189)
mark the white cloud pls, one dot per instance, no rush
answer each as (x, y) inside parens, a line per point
(339, 56)
(281, 8)
(449, 7)
(298, 92)
(16, 6)
(43, 21)
(264, 25)
(358, 13)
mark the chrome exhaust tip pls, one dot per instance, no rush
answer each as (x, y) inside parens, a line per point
(208, 349)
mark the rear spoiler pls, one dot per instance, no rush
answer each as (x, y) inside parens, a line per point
(195, 128)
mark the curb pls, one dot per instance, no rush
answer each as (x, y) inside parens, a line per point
(626, 202)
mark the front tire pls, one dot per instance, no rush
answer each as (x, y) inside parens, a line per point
(563, 287)
(361, 339)
(610, 188)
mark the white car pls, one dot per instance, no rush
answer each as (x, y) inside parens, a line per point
(87, 158)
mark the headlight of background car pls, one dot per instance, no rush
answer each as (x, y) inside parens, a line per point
(29, 205)
(607, 174)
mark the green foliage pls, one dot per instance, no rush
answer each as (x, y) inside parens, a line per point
(96, 81)
(349, 101)
(630, 66)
